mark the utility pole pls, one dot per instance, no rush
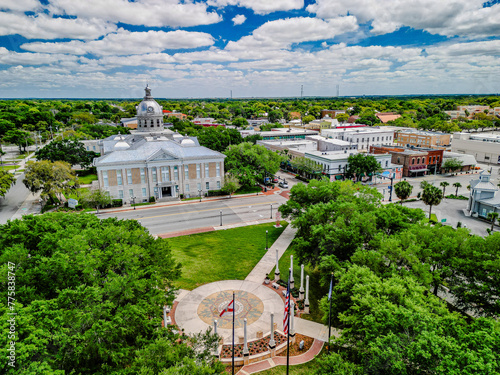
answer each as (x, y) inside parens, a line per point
(301, 91)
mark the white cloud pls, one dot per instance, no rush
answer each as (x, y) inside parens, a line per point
(14, 58)
(445, 17)
(46, 27)
(239, 19)
(156, 13)
(261, 6)
(20, 5)
(127, 43)
(285, 32)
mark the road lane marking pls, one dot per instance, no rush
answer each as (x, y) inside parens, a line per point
(207, 210)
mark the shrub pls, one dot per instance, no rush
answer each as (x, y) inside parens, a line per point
(215, 193)
(152, 199)
(117, 203)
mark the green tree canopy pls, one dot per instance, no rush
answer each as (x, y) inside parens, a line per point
(68, 150)
(51, 178)
(91, 297)
(360, 165)
(452, 165)
(403, 190)
(7, 179)
(250, 163)
(18, 137)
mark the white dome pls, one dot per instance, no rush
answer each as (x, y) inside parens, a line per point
(122, 145)
(149, 107)
(188, 142)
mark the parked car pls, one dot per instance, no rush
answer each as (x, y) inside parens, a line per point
(283, 184)
(275, 180)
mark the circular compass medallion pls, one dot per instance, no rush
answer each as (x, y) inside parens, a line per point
(247, 305)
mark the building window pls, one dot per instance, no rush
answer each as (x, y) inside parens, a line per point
(437, 159)
(129, 176)
(217, 170)
(120, 194)
(207, 173)
(176, 173)
(165, 174)
(119, 179)
(130, 193)
(218, 185)
(144, 193)
(105, 178)
(398, 160)
(386, 163)
(198, 171)
(378, 138)
(187, 188)
(418, 160)
(423, 160)
(153, 172)
(412, 161)
(186, 172)
(143, 176)
(207, 185)
(93, 148)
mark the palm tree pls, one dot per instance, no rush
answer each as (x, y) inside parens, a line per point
(492, 216)
(444, 184)
(457, 185)
(432, 197)
(403, 190)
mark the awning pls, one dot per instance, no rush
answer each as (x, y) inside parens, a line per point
(418, 170)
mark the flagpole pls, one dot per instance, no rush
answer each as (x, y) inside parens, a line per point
(288, 326)
(330, 314)
(233, 334)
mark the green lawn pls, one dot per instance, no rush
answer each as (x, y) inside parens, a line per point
(221, 255)
(7, 167)
(248, 190)
(87, 180)
(316, 291)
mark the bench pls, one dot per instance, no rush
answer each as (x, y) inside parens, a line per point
(276, 286)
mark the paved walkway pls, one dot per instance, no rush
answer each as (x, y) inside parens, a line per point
(268, 261)
(281, 360)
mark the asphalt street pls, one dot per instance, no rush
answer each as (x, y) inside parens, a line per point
(13, 200)
(194, 215)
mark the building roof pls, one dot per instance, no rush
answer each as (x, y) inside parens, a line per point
(495, 201)
(466, 159)
(160, 148)
(387, 116)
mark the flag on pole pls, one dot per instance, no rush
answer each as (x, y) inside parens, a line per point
(330, 291)
(229, 309)
(287, 305)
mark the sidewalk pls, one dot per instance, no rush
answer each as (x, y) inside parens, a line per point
(281, 360)
(268, 261)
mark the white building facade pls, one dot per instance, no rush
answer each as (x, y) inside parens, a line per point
(363, 138)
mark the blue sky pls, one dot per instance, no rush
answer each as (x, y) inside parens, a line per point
(256, 48)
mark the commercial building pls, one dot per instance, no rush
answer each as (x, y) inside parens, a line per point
(283, 133)
(417, 138)
(362, 137)
(415, 161)
(484, 196)
(331, 112)
(156, 162)
(485, 147)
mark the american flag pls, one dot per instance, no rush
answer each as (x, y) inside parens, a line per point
(287, 304)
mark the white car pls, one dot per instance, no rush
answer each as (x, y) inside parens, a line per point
(284, 184)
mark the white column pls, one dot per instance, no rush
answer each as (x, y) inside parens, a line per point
(301, 289)
(245, 346)
(292, 320)
(306, 302)
(292, 282)
(272, 343)
(215, 327)
(277, 270)
(165, 316)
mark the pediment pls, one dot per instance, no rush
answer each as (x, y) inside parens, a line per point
(161, 155)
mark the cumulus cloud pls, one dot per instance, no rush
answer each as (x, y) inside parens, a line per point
(127, 43)
(20, 5)
(239, 19)
(156, 13)
(43, 26)
(260, 6)
(445, 17)
(285, 32)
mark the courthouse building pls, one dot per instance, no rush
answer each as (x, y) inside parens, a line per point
(156, 162)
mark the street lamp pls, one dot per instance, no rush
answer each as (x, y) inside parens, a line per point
(266, 241)
(133, 201)
(199, 191)
(220, 218)
(271, 210)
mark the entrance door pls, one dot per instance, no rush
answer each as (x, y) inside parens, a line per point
(166, 191)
